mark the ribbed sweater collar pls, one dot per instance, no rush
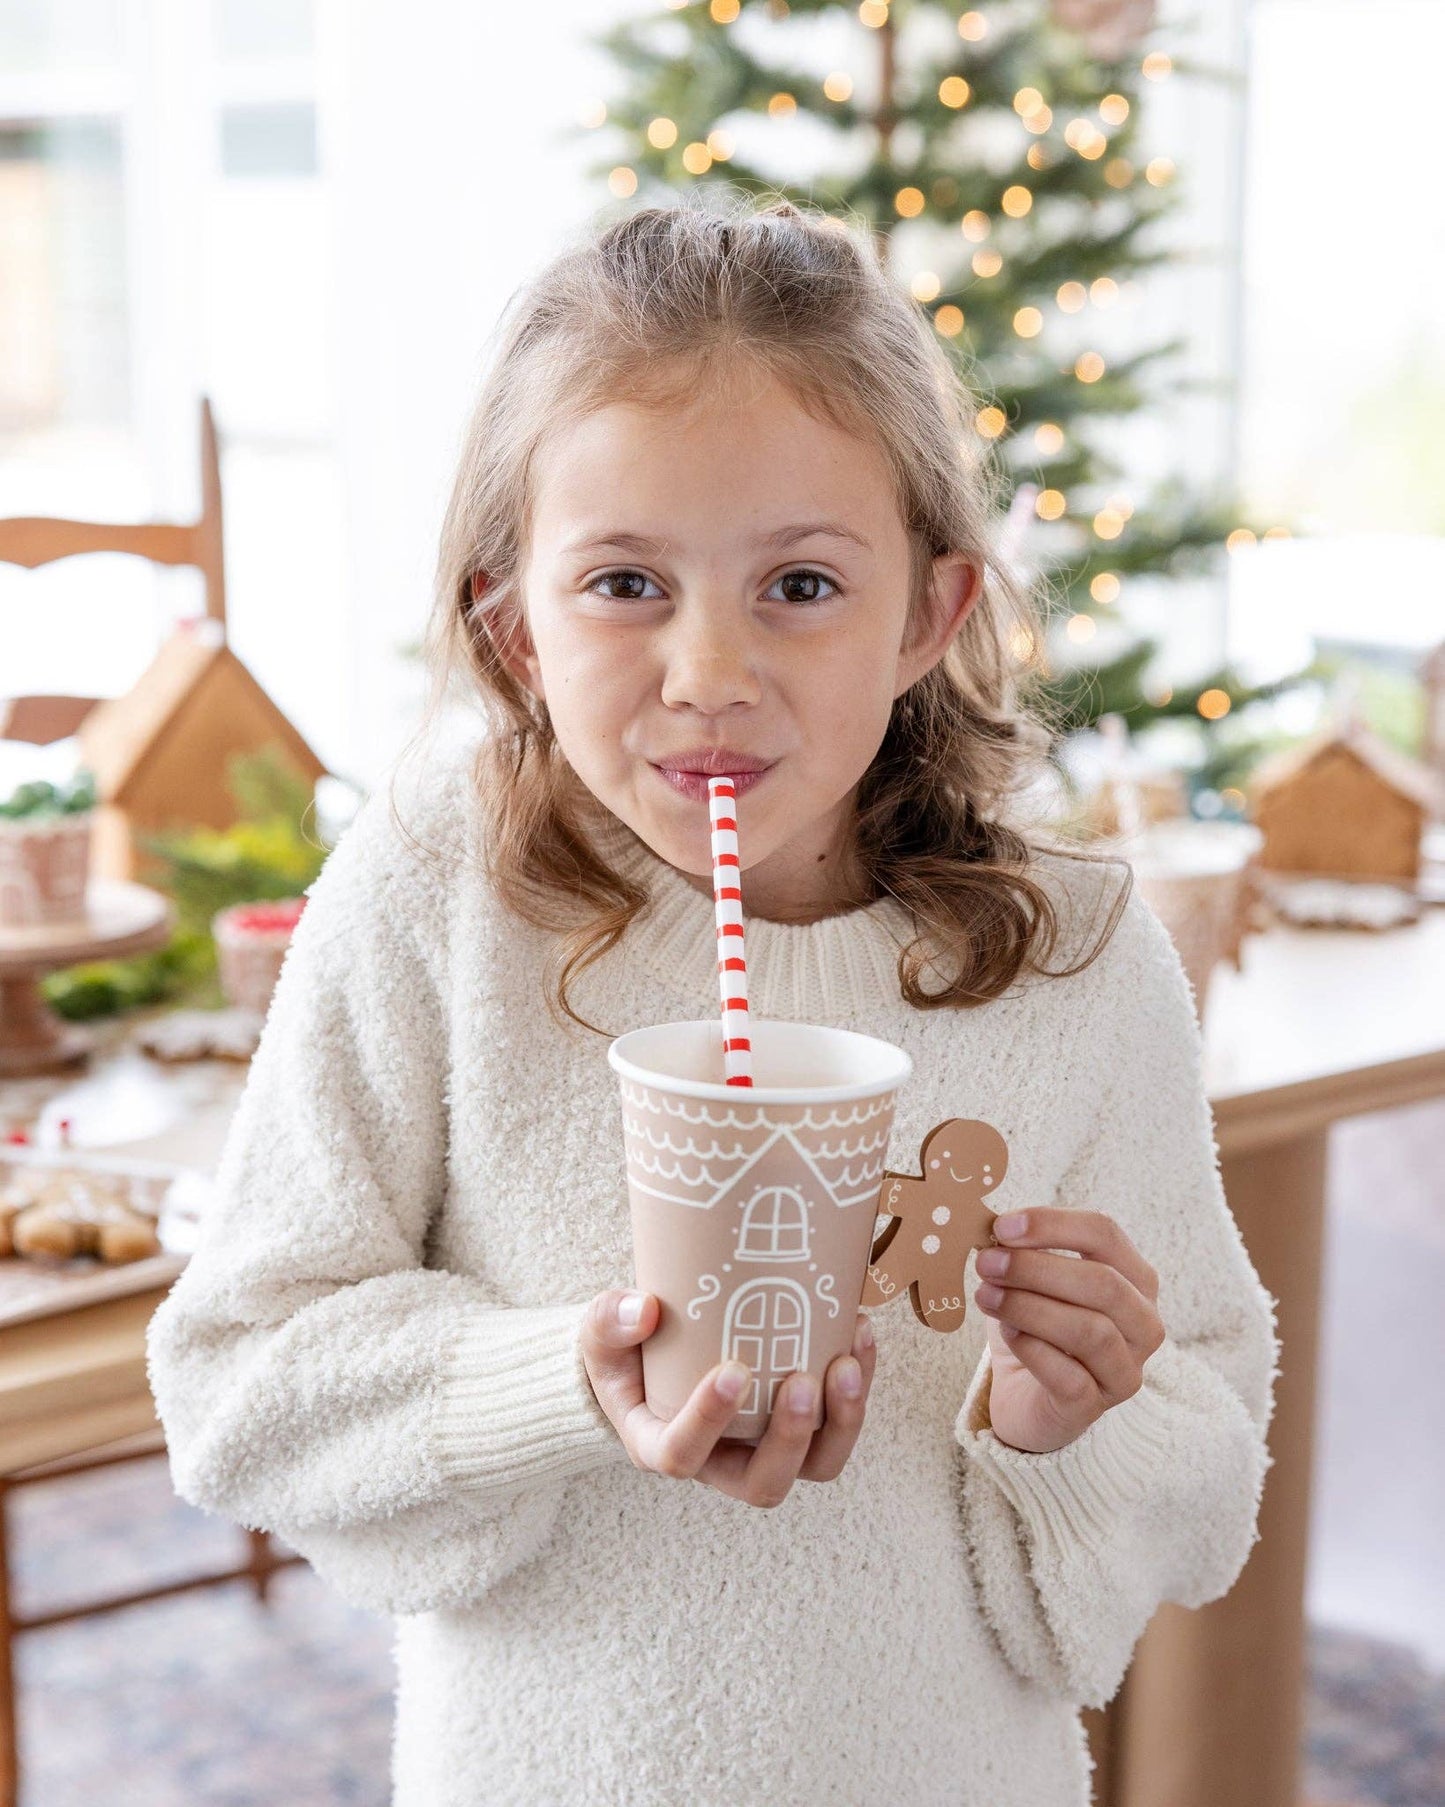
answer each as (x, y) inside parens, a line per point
(831, 970)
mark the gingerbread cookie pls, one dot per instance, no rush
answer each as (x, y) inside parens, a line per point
(57, 1216)
(939, 1216)
(230, 1034)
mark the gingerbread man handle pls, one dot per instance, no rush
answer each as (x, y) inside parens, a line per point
(939, 1215)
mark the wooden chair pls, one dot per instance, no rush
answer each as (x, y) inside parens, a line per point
(33, 541)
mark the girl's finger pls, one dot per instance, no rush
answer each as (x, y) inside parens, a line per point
(678, 1447)
(785, 1443)
(1094, 1341)
(842, 1411)
(1089, 1233)
(1091, 1284)
(1058, 1374)
(611, 1352)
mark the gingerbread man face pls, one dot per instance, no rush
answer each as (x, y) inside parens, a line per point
(939, 1216)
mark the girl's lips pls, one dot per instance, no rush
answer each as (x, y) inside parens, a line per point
(694, 784)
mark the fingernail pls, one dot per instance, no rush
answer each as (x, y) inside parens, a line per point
(629, 1310)
(802, 1393)
(1015, 1224)
(731, 1381)
(850, 1378)
(865, 1334)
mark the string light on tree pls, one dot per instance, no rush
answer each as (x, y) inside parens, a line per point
(1050, 504)
(1049, 438)
(838, 86)
(662, 134)
(909, 202)
(1108, 524)
(1071, 296)
(1016, 201)
(1118, 172)
(696, 158)
(592, 115)
(1213, 705)
(990, 421)
(1103, 291)
(1114, 109)
(954, 91)
(623, 181)
(975, 225)
(1028, 322)
(720, 146)
(1081, 628)
(1158, 171)
(1088, 366)
(782, 106)
(949, 320)
(1239, 539)
(973, 28)
(926, 286)
(1157, 65)
(723, 12)
(1105, 588)
(874, 14)
(986, 263)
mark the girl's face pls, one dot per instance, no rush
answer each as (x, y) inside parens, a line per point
(723, 586)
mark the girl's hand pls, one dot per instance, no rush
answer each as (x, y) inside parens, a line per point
(1068, 1338)
(687, 1447)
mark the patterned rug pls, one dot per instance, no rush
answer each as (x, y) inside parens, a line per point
(211, 1700)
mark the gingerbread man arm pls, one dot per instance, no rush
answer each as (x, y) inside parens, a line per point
(939, 1216)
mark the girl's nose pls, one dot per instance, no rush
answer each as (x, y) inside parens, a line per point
(709, 671)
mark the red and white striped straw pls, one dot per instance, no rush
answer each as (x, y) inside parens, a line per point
(732, 963)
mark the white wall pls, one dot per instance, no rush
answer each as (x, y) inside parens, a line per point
(439, 143)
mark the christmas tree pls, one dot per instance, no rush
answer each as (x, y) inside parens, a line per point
(995, 156)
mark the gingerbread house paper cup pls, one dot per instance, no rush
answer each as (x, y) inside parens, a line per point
(753, 1208)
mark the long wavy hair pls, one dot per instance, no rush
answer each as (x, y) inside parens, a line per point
(640, 311)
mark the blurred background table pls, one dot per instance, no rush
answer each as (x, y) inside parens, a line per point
(1320, 1024)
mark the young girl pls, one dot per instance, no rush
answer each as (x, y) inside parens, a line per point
(721, 508)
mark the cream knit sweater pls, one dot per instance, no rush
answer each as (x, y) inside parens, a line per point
(373, 1353)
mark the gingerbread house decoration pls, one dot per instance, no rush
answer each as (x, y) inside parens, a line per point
(1343, 805)
(774, 1187)
(160, 751)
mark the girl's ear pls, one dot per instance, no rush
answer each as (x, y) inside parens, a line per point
(507, 631)
(953, 590)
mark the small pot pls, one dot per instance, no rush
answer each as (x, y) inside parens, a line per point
(44, 868)
(251, 942)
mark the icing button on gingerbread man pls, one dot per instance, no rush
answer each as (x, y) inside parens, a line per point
(939, 1215)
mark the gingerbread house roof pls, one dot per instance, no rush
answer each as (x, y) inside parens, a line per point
(1402, 774)
(120, 732)
(699, 1155)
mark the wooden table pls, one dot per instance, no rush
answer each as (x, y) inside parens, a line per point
(1320, 1025)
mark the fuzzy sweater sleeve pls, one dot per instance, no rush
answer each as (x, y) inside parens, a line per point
(1073, 1550)
(405, 1433)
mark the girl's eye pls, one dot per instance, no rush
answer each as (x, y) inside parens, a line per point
(630, 586)
(802, 586)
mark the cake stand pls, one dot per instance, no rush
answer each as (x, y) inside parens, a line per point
(120, 919)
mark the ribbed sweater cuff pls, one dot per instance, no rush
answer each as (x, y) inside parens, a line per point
(1085, 1491)
(516, 1405)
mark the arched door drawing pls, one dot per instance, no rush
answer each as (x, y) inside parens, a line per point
(767, 1327)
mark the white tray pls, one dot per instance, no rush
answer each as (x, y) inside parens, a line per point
(38, 1289)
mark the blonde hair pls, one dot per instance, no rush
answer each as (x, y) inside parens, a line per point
(642, 310)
